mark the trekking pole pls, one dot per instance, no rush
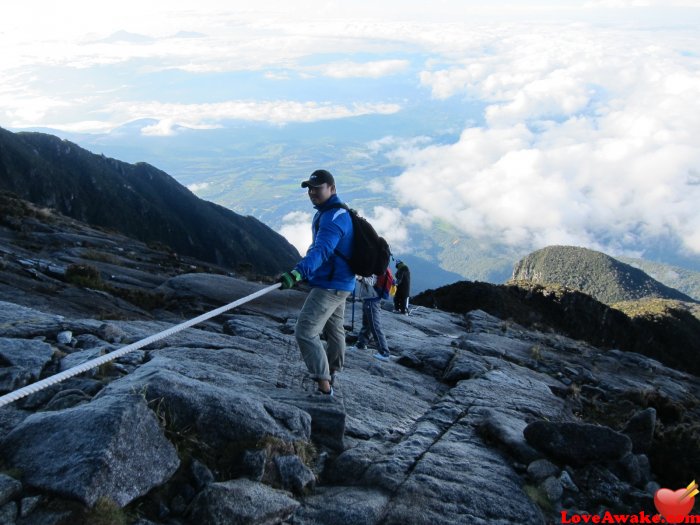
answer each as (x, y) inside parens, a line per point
(94, 363)
(352, 323)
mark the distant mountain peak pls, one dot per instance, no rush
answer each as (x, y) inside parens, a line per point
(594, 273)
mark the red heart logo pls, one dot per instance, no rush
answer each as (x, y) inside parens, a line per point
(672, 505)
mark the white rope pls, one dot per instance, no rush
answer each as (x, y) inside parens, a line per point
(94, 363)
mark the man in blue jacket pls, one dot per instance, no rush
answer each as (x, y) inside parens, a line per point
(326, 269)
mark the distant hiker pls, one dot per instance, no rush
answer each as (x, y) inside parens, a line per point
(371, 297)
(331, 281)
(403, 287)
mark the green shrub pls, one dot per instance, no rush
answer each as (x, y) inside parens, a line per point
(106, 512)
(85, 276)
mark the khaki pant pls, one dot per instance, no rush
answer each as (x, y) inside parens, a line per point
(323, 313)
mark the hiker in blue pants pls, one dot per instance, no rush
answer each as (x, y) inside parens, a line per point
(371, 317)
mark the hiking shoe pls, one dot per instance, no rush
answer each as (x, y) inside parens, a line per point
(329, 393)
(333, 377)
(381, 357)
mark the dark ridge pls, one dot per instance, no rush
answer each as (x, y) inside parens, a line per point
(670, 334)
(137, 200)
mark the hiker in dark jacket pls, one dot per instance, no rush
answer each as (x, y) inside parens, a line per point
(326, 269)
(403, 287)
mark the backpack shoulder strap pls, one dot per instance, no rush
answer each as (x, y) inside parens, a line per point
(334, 206)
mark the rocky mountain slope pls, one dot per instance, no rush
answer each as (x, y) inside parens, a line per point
(478, 420)
(665, 330)
(684, 280)
(594, 273)
(136, 200)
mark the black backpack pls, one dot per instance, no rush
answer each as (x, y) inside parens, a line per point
(370, 252)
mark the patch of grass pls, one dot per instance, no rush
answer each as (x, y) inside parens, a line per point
(675, 453)
(85, 276)
(159, 246)
(144, 300)
(106, 512)
(278, 447)
(538, 497)
(106, 370)
(275, 446)
(13, 473)
(96, 255)
(655, 308)
(307, 452)
(575, 391)
(184, 438)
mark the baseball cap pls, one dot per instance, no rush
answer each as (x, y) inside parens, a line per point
(317, 178)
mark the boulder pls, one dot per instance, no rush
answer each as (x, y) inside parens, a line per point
(29, 355)
(242, 502)
(110, 448)
(224, 410)
(577, 443)
(295, 476)
(346, 505)
(640, 430)
(9, 488)
(541, 469)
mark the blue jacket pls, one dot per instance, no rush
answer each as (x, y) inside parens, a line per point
(321, 266)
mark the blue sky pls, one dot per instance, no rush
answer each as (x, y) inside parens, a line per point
(570, 122)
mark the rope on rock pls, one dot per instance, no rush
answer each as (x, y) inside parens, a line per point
(94, 363)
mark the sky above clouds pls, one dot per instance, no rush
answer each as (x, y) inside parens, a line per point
(578, 120)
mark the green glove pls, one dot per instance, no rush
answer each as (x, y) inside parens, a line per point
(289, 279)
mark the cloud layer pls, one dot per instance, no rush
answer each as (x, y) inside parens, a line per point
(589, 138)
(588, 110)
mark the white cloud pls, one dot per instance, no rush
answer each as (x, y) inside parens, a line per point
(591, 141)
(275, 112)
(389, 223)
(390, 143)
(392, 225)
(198, 186)
(372, 69)
(617, 4)
(420, 218)
(170, 117)
(296, 228)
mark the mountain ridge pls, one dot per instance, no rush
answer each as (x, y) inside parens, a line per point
(682, 279)
(138, 200)
(594, 273)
